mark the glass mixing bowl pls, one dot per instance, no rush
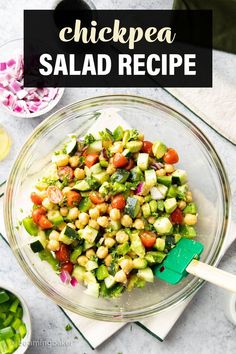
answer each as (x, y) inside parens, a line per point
(207, 179)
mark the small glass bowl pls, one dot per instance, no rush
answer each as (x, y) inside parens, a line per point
(207, 180)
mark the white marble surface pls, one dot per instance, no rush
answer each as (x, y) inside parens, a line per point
(203, 328)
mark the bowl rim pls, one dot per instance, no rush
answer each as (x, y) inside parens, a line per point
(121, 316)
(27, 339)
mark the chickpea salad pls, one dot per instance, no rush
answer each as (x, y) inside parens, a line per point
(109, 209)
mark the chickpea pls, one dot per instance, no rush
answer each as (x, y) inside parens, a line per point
(190, 219)
(102, 208)
(53, 245)
(126, 265)
(126, 221)
(122, 236)
(82, 260)
(110, 169)
(79, 173)
(102, 252)
(73, 213)
(94, 224)
(84, 218)
(79, 225)
(138, 224)
(115, 214)
(151, 219)
(189, 197)
(54, 235)
(64, 211)
(94, 213)
(117, 147)
(103, 221)
(72, 226)
(65, 190)
(90, 253)
(182, 204)
(120, 277)
(109, 242)
(61, 160)
(169, 168)
(161, 172)
(47, 204)
(108, 260)
(74, 161)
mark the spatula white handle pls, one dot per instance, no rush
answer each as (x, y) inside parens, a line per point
(213, 275)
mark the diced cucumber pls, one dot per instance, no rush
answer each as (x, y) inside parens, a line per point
(146, 274)
(30, 226)
(182, 191)
(123, 249)
(126, 153)
(163, 226)
(115, 225)
(89, 234)
(87, 171)
(170, 205)
(68, 235)
(95, 169)
(55, 217)
(187, 231)
(136, 245)
(191, 208)
(85, 204)
(102, 272)
(96, 146)
(36, 246)
(154, 257)
(134, 146)
(76, 253)
(163, 189)
(89, 278)
(160, 244)
(156, 193)
(160, 205)
(104, 189)
(153, 204)
(71, 146)
(118, 188)
(91, 265)
(159, 149)
(142, 161)
(120, 176)
(87, 245)
(139, 263)
(79, 273)
(116, 290)
(136, 174)
(150, 178)
(132, 207)
(146, 210)
(172, 192)
(92, 290)
(109, 281)
(166, 180)
(101, 177)
(179, 177)
(82, 186)
(118, 133)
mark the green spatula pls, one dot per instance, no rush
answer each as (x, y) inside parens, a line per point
(183, 259)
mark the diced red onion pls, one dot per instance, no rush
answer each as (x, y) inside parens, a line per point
(3, 66)
(11, 63)
(139, 188)
(74, 281)
(157, 165)
(65, 277)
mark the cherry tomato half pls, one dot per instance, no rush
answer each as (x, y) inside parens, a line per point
(118, 201)
(119, 160)
(177, 216)
(148, 239)
(67, 267)
(171, 156)
(44, 223)
(63, 254)
(54, 194)
(73, 198)
(65, 172)
(96, 198)
(91, 159)
(130, 165)
(147, 147)
(36, 199)
(37, 213)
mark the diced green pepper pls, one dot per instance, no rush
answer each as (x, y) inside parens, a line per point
(6, 332)
(22, 330)
(48, 257)
(30, 226)
(85, 204)
(102, 272)
(3, 296)
(75, 254)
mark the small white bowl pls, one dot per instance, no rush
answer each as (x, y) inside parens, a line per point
(26, 319)
(10, 50)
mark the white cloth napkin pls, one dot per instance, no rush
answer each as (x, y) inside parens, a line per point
(216, 105)
(96, 332)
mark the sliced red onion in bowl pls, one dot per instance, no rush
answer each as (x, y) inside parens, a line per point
(65, 277)
(73, 281)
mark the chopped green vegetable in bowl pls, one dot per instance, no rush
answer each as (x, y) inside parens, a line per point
(15, 326)
(112, 208)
